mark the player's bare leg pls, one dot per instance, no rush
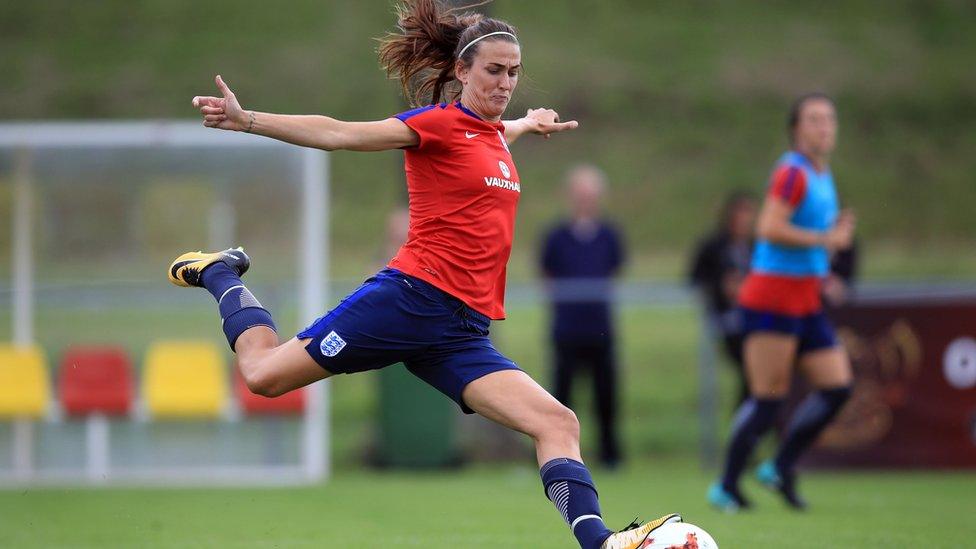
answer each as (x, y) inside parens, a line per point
(829, 371)
(827, 368)
(268, 368)
(515, 400)
(769, 360)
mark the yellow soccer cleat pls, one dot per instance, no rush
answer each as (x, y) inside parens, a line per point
(634, 536)
(185, 271)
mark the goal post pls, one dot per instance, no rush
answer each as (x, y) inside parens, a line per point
(179, 143)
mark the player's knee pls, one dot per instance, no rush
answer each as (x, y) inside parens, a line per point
(771, 387)
(768, 392)
(565, 423)
(555, 423)
(262, 382)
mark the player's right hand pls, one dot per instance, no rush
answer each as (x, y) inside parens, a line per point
(546, 122)
(224, 112)
(841, 236)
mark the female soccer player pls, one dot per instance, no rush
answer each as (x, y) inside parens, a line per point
(432, 305)
(799, 227)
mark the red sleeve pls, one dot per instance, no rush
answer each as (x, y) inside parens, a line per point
(789, 184)
(431, 123)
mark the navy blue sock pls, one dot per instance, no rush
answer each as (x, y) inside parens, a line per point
(570, 487)
(239, 309)
(217, 278)
(752, 420)
(808, 421)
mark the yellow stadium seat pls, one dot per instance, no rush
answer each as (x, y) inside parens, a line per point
(184, 379)
(25, 384)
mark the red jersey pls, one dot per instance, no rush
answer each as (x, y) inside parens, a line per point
(464, 191)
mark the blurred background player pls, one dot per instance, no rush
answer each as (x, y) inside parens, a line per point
(432, 306)
(581, 256)
(719, 264)
(799, 226)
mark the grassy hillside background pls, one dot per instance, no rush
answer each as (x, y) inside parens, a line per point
(678, 101)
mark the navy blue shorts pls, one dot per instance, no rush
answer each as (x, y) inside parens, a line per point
(814, 331)
(395, 317)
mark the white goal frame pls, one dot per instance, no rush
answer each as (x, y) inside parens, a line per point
(23, 138)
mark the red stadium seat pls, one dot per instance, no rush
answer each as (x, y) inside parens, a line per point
(252, 404)
(96, 380)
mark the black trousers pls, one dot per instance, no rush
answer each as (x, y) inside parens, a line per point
(597, 358)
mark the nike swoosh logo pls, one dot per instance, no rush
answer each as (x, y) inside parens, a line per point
(471, 135)
(229, 255)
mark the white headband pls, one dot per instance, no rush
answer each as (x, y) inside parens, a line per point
(482, 37)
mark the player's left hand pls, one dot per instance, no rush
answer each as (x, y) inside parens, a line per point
(546, 122)
(224, 112)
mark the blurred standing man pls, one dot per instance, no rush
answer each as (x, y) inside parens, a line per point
(580, 258)
(719, 265)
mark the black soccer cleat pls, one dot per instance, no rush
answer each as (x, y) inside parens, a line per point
(186, 269)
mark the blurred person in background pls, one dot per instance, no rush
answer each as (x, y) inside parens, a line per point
(839, 284)
(580, 258)
(799, 226)
(719, 264)
(432, 306)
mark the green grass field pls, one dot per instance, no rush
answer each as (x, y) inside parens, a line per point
(490, 508)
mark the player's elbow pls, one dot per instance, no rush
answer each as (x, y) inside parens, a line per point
(330, 140)
(335, 142)
(328, 144)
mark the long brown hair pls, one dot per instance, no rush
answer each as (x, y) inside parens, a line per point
(423, 52)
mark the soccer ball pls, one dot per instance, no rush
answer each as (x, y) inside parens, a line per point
(679, 535)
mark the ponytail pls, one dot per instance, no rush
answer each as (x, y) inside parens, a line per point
(423, 53)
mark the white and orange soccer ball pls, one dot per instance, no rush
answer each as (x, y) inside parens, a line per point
(679, 535)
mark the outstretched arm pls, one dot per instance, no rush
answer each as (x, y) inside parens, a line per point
(540, 121)
(320, 132)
